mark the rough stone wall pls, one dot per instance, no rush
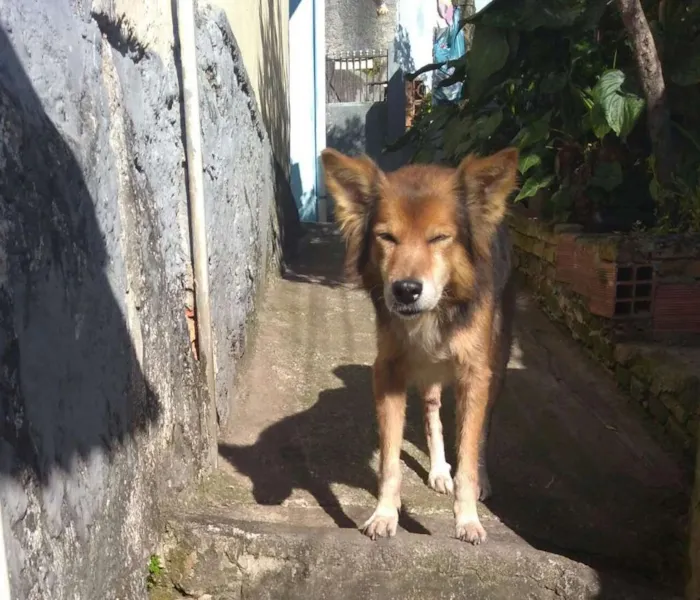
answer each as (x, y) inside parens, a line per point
(102, 408)
(239, 190)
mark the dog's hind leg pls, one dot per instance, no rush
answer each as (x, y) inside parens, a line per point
(390, 400)
(501, 349)
(439, 477)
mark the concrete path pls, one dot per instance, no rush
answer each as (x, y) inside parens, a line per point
(576, 471)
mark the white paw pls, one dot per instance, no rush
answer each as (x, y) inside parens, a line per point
(470, 531)
(440, 479)
(383, 9)
(382, 523)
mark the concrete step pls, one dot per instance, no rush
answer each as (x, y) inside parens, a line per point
(277, 553)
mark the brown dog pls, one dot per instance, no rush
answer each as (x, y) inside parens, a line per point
(430, 247)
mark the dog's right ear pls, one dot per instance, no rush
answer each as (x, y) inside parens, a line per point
(353, 183)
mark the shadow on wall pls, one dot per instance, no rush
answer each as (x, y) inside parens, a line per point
(347, 137)
(71, 382)
(273, 82)
(357, 129)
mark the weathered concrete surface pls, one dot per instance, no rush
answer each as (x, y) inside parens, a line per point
(231, 559)
(575, 471)
(102, 408)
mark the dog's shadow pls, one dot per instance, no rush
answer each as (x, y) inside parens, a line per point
(332, 442)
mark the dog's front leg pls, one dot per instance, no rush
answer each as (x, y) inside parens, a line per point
(439, 477)
(390, 400)
(472, 389)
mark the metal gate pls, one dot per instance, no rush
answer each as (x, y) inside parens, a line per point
(357, 76)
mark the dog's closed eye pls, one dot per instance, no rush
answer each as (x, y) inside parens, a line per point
(387, 237)
(438, 238)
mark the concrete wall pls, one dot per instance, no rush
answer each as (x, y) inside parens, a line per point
(103, 411)
(261, 29)
(355, 25)
(356, 128)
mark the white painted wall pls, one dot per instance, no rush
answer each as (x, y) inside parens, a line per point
(307, 102)
(414, 35)
(479, 4)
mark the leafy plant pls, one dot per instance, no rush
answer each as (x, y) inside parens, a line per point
(155, 570)
(557, 79)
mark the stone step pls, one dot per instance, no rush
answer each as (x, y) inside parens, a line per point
(276, 553)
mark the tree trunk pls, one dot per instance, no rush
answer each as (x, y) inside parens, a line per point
(652, 79)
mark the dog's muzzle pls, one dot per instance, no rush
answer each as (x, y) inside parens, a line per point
(407, 293)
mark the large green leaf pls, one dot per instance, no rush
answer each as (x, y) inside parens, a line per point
(609, 84)
(486, 125)
(488, 55)
(607, 175)
(533, 185)
(598, 122)
(621, 109)
(528, 161)
(533, 133)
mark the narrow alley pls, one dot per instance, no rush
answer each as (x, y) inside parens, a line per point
(577, 474)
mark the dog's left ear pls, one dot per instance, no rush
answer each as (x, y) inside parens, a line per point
(487, 182)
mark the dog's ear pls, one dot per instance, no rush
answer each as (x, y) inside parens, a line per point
(487, 183)
(353, 183)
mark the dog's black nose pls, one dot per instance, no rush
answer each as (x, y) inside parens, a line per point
(407, 291)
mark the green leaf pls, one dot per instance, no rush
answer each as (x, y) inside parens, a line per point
(533, 133)
(622, 110)
(632, 108)
(487, 55)
(609, 84)
(454, 132)
(533, 185)
(607, 175)
(486, 125)
(598, 122)
(528, 161)
(553, 83)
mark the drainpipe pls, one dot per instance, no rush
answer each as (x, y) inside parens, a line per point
(319, 37)
(4, 575)
(198, 228)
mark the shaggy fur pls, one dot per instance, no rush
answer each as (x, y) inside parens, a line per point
(430, 247)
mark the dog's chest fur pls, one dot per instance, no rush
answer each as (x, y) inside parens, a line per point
(426, 343)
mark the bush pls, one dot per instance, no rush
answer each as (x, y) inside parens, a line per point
(557, 79)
